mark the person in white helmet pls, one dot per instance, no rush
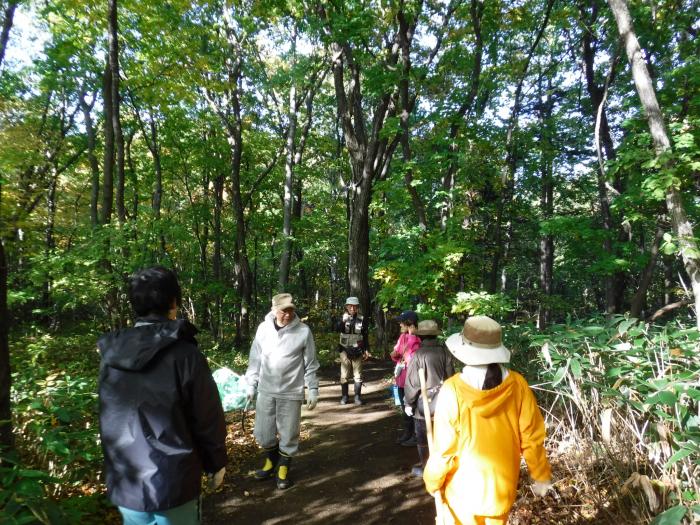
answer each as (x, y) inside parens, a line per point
(353, 347)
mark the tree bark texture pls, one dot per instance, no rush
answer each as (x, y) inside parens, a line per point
(682, 226)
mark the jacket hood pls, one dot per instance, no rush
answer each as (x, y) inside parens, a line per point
(270, 317)
(486, 402)
(133, 348)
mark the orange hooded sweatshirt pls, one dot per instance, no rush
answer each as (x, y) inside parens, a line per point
(478, 438)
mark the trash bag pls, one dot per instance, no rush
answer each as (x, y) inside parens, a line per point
(232, 389)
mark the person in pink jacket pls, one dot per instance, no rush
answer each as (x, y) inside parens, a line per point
(405, 347)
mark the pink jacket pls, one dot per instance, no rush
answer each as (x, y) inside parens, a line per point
(406, 346)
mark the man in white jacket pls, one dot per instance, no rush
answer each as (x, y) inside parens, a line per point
(282, 360)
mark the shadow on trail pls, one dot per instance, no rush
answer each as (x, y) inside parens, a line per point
(348, 470)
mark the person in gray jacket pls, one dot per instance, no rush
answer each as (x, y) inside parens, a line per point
(282, 360)
(433, 357)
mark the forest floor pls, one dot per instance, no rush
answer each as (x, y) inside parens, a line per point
(349, 470)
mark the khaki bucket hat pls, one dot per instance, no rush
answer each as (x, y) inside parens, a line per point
(427, 327)
(479, 342)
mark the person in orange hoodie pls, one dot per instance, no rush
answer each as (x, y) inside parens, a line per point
(485, 419)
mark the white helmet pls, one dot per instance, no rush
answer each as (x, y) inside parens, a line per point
(352, 300)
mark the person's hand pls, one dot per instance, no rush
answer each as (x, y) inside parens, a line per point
(346, 317)
(409, 410)
(312, 400)
(365, 356)
(540, 488)
(395, 354)
(250, 393)
(215, 480)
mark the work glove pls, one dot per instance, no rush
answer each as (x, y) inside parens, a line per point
(409, 410)
(215, 480)
(250, 393)
(312, 400)
(540, 488)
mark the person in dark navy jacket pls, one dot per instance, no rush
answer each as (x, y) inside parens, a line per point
(161, 421)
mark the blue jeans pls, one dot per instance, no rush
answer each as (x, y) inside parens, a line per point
(187, 514)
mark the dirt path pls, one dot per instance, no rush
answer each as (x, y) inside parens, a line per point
(348, 470)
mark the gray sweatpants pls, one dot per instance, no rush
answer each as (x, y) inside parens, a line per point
(275, 416)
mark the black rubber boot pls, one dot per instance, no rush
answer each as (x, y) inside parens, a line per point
(272, 457)
(417, 470)
(344, 396)
(409, 431)
(283, 480)
(358, 394)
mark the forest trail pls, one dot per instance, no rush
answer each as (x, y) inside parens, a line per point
(348, 469)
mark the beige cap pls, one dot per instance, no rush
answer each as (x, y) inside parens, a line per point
(282, 301)
(427, 327)
(479, 342)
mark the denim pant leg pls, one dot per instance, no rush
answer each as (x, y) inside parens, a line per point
(186, 514)
(288, 425)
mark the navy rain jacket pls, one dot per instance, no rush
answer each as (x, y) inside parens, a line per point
(161, 420)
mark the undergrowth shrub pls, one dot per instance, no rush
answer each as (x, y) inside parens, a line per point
(632, 392)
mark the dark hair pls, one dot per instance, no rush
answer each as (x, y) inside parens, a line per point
(152, 291)
(494, 377)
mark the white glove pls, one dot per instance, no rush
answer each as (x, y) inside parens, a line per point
(250, 393)
(409, 410)
(312, 400)
(540, 488)
(215, 480)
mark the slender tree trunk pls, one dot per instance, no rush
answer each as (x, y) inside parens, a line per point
(108, 164)
(92, 159)
(614, 283)
(448, 181)
(501, 237)
(216, 260)
(286, 255)
(682, 226)
(546, 204)
(405, 38)
(645, 279)
(116, 102)
(7, 20)
(6, 428)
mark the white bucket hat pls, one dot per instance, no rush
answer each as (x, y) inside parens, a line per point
(479, 342)
(282, 301)
(352, 300)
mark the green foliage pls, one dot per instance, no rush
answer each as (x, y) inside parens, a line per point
(645, 377)
(482, 303)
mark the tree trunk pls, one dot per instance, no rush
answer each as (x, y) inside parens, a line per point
(682, 226)
(216, 260)
(448, 181)
(501, 238)
(286, 255)
(645, 279)
(6, 429)
(92, 158)
(615, 283)
(546, 204)
(7, 20)
(108, 164)
(116, 102)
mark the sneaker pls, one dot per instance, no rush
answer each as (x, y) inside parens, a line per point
(410, 442)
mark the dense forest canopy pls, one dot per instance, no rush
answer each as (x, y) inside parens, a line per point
(534, 160)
